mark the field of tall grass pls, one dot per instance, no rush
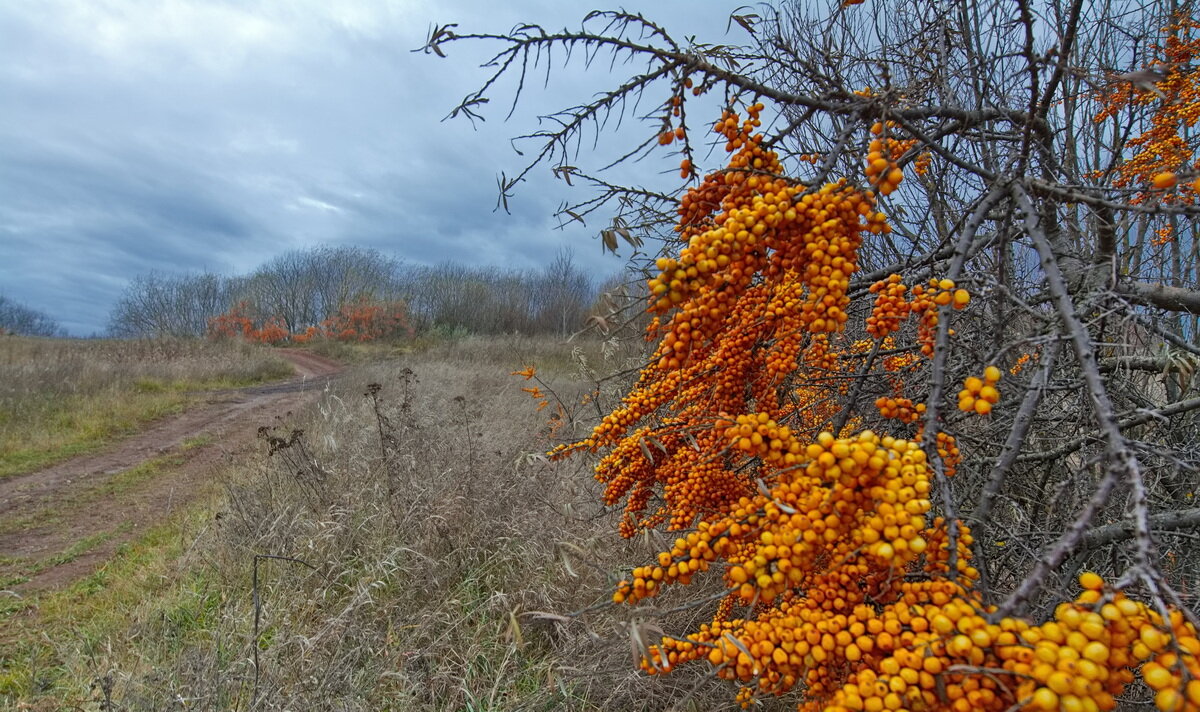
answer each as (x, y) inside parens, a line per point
(62, 397)
(404, 546)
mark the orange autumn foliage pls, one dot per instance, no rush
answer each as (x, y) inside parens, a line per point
(364, 320)
(361, 320)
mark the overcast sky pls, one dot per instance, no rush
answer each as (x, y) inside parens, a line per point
(187, 135)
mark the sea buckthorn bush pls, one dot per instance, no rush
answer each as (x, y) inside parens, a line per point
(849, 589)
(996, 226)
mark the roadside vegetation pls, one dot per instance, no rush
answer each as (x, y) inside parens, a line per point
(413, 549)
(60, 397)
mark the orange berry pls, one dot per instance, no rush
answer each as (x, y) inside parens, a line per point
(1156, 676)
(1165, 180)
(1168, 700)
(1193, 692)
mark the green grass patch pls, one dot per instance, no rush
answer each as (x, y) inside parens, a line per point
(62, 398)
(45, 640)
(195, 443)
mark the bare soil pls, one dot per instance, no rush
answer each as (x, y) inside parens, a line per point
(58, 524)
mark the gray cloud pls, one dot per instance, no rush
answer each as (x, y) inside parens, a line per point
(181, 135)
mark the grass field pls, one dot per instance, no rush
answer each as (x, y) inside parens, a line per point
(414, 551)
(62, 397)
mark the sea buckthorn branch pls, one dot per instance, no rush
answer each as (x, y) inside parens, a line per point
(861, 378)
(938, 367)
(1144, 416)
(845, 136)
(719, 438)
(643, 198)
(1022, 422)
(847, 593)
(1122, 462)
(791, 551)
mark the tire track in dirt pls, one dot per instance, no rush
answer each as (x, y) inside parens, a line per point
(84, 500)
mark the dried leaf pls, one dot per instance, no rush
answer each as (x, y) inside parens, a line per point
(746, 21)
(646, 451)
(609, 240)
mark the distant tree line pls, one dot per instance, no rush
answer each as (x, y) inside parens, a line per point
(16, 318)
(304, 288)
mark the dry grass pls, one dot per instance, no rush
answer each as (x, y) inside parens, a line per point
(432, 558)
(60, 397)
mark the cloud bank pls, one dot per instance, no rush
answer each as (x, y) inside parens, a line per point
(183, 135)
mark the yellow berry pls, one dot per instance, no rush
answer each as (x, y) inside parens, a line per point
(1165, 180)
(1044, 699)
(1168, 700)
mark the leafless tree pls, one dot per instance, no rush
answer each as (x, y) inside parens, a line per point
(158, 304)
(17, 318)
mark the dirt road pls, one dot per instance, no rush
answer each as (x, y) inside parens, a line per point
(59, 523)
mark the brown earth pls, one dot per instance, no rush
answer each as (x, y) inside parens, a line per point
(60, 523)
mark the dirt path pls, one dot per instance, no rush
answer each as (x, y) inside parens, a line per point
(59, 523)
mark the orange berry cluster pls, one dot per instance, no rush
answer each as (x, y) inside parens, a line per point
(818, 355)
(947, 448)
(1173, 105)
(882, 168)
(921, 165)
(1020, 364)
(895, 302)
(979, 395)
(901, 409)
(1082, 658)
(757, 288)
(851, 600)
(925, 303)
(1164, 235)
(760, 436)
(837, 581)
(891, 308)
(1078, 661)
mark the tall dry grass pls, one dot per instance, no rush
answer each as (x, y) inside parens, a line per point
(404, 547)
(59, 397)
